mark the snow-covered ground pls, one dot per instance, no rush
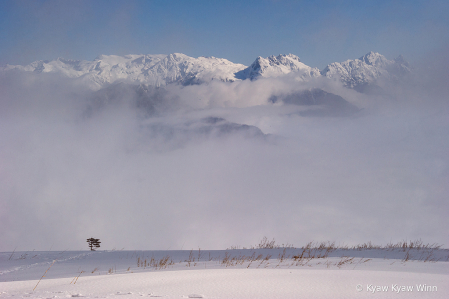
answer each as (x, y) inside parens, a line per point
(237, 273)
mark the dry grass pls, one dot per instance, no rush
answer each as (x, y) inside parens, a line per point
(76, 278)
(12, 253)
(415, 250)
(163, 263)
(404, 245)
(266, 244)
(44, 274)
(345, 260)
(417, 244)
(313, 254)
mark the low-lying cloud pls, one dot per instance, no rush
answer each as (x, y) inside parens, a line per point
(216, 165)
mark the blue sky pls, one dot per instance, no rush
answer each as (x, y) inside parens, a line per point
(319, 32)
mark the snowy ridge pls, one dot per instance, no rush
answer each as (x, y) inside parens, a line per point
(368, 69)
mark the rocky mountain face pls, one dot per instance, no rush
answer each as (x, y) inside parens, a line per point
(147, 99)
(322, 103)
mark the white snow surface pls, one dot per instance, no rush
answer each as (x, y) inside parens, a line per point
(250, 273)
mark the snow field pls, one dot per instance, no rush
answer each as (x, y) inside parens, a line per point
(257, 273)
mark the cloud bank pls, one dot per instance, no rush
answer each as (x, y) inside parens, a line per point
(217, 164)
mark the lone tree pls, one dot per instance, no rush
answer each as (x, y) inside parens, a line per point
(93, 243)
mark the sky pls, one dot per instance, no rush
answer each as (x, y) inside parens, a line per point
(218, 165)
(319, 32)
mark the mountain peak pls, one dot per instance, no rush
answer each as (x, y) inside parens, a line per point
(285, 57)
(368, 69)
(274, 66)
(176, 56)
(401, 60)
(373, 58)
(100, 57)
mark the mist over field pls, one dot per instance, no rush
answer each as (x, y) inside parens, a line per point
(219, 164)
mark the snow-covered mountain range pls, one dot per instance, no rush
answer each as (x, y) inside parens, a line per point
(156, 70)
(161, 70)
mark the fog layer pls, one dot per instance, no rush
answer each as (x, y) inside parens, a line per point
(218, 164)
